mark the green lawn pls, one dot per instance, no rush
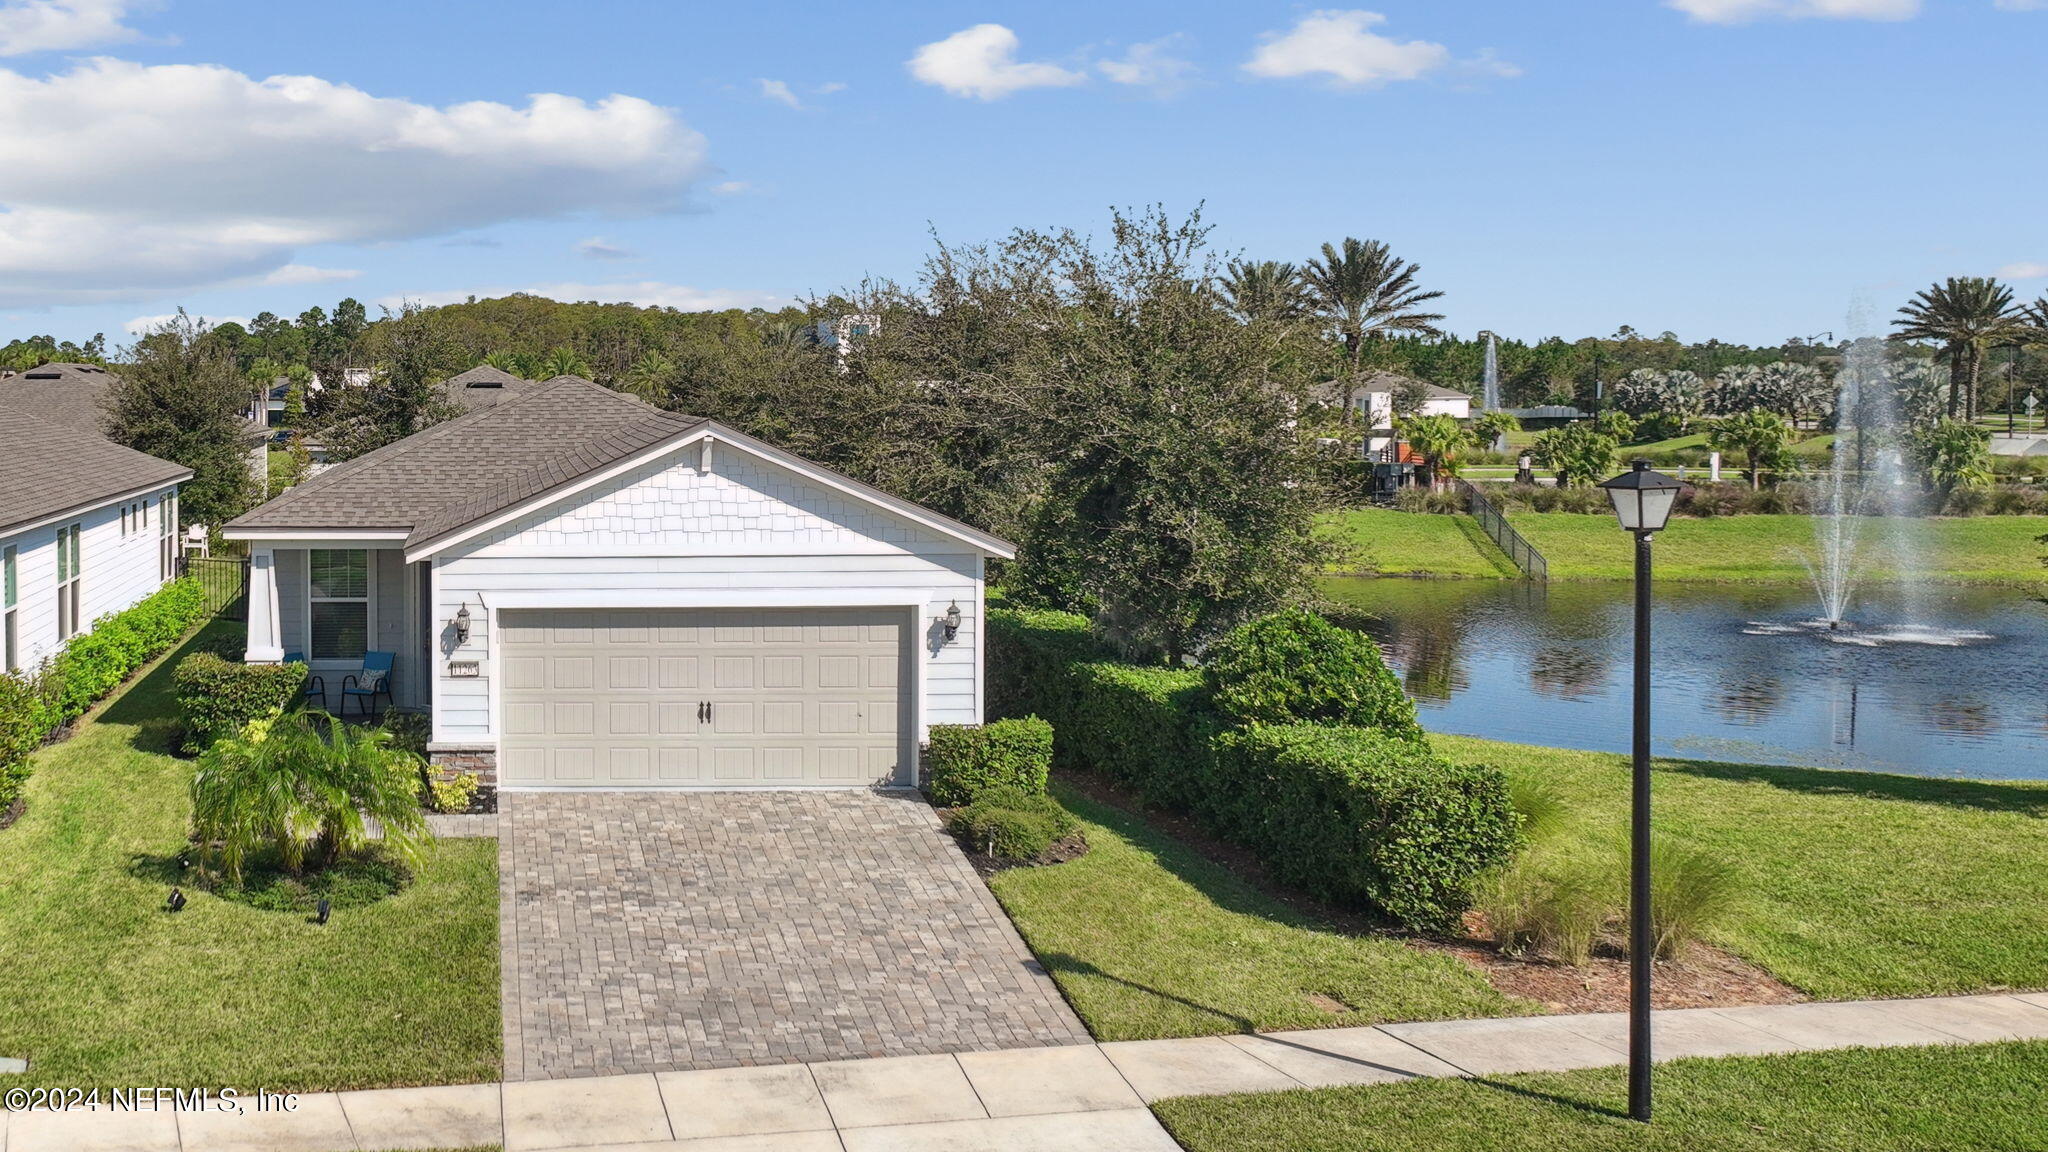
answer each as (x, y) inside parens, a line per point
(1983, 1098)
(1971, 550)
(1858, 884)
(100, 986)
(1381, 541)
(1148, 939)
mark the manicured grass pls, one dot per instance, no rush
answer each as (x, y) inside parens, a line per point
(1149, 939)
(1984, 1098)
(1856, 884)
(1388, 543)
(100, 986)
(1972, 550)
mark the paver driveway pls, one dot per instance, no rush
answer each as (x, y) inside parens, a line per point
(645, 931)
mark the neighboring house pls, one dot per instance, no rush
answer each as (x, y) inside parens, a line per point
(1373, 398)
(74, 395)
(586, 591)
(482, 387)
(87, 528)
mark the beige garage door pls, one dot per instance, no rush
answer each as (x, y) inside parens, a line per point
(682, 698)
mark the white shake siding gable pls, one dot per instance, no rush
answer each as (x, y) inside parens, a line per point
(744, 533)
(119, 569)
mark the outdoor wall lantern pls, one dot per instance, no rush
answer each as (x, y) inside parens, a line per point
(462, 624)
(1642, 502)
(951, 621)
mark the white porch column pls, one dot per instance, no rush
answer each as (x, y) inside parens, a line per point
(266, 633)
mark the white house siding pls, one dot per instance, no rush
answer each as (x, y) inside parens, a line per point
(119, 570)
(746, 534)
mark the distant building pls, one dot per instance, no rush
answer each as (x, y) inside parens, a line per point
(1372, 399)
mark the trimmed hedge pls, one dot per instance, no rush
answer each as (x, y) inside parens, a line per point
(1012, 823)
(967, 760)
(36, 703)
(1358, 816)
(1353, 815)
(1296, 667)
(218, 697)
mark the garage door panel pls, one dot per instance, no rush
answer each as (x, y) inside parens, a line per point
(618, 697)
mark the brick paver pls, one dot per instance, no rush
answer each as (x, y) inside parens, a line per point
(649, 931)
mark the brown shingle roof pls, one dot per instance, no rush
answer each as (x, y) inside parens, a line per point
(484, 386)
(464, 469)
(73, 395)
(55, 468)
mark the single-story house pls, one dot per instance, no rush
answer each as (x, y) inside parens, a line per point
(585, 591)
(87, 528)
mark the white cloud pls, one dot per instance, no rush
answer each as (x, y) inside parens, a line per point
(1339, 45)
(2020, 5)
(829, 87)
(778, 91)
(2024, 270)
(1744, 11)
(141, 324)
(981, 62)
(645, 293)
(1151, 65)
(62, 25)
(596, 248)
(731, 187)
(120, 180)
(308, 274)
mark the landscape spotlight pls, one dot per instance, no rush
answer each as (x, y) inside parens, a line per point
(321, 910)
(175, 902)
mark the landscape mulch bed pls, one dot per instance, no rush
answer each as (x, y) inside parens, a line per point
(1073, 847)
(1704, 977)
(12, 812)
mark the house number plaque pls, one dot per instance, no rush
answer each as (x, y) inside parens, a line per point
(464, 669)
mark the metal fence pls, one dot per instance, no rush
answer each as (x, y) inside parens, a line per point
(1495, 524)
(226, 581)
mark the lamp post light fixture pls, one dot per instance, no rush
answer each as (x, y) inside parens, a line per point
(950, 622)
(1642, 502)
(462, 624)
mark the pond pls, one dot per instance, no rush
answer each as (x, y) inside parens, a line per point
(1956, 684)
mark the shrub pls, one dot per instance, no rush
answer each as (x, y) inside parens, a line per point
(1142, 727)
(1029, 654)
(1690, 891)
(1562, 912)
(218, 697)
(35, 703)
(1296, 667)
(966, 760)
(1351, 815)
(455, 794)
(1012, 823)
(410, 731)
(304, 781)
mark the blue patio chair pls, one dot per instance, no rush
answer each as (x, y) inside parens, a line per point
(373, 681)
(316, 688)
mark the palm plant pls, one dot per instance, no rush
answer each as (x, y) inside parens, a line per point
(1761, 437)
(1953, 454)
(305, 782)
(1966, 315)
(1437, 439)
(562, 361)
(1493, 426)
(1265, 290)
(649, 376)
(503, 361)
(1366, 293)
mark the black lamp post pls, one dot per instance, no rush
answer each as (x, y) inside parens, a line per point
(1642, 502)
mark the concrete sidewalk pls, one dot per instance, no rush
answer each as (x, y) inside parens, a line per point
(1030, 1100)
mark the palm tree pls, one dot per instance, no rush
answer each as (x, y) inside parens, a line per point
(1367, 293)
(563, 361)
(1437, 440)
(503, 362)
(649, 376)
(1761, 437)
(1265, 290)
(1967, 315)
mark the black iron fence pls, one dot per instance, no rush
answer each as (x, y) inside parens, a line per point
(1495, 524)
(226, 581)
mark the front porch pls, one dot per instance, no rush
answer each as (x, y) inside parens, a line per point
(331, 602)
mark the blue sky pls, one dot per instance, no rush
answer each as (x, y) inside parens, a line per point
(1746, 169)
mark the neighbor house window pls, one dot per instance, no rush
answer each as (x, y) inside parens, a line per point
(166, 541)
(340, 608)
(70, 587)
(10, 637)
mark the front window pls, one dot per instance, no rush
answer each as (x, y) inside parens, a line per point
(10, 638)
(340, 608)
(70, 588)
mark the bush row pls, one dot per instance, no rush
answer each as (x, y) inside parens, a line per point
(1359, 815)
(35, 703)
(218, 697)
(967, 760)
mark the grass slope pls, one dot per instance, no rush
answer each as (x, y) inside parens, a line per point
(1973, 550)
(1858, 884)
(100, 986)
(1381, 541)
(1148, 939)
(1984, 1098)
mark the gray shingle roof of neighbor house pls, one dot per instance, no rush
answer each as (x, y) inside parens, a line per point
(484, 386)
(55, 468)
(442, 479)
(73, 395)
